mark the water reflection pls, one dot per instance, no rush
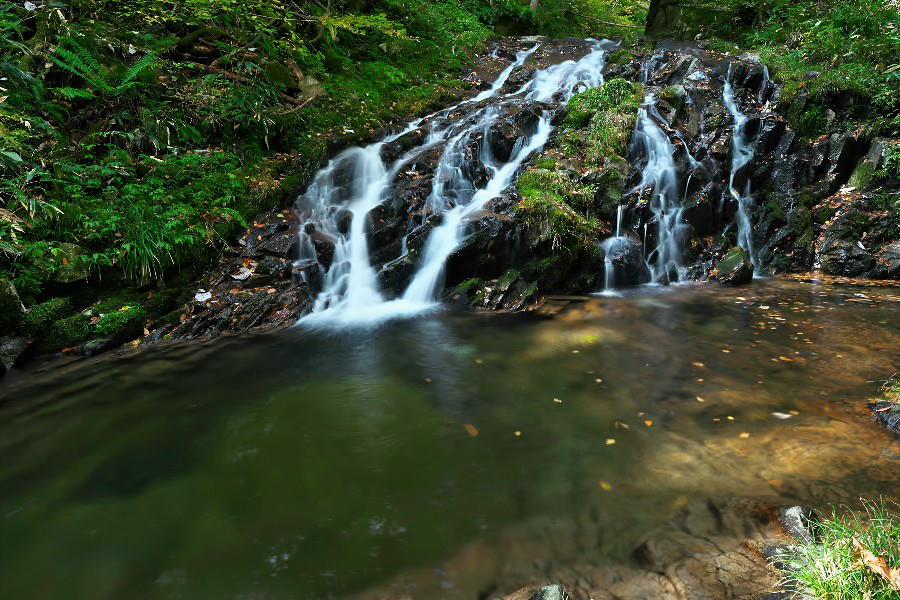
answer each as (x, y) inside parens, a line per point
(305, 465)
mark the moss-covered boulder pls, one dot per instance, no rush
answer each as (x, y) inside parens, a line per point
(736, 268)
(41, 317)
(10, 307)
(121, 325)
(70, 263)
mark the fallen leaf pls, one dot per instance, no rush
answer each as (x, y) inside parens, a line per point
(557, 400)
(471, 429)
(517, 433)
(610, 442)
(744, 436)
(786, 359)
(878, 565)
(648, 423)
(605, 486)
(698, 364)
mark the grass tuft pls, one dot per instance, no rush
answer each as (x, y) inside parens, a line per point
(839, 564)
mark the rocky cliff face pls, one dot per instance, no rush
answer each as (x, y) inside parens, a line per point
(795, 204)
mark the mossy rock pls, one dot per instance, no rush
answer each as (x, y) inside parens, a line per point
(65, 333)
(10, 307)
(121, 325)
(70, 265)
(735, 268)
(41, 316)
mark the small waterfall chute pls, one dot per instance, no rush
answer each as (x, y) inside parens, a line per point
(742, 152)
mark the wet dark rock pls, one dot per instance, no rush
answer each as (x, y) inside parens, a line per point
(735, 268)
(887, 413)
(887, 262)
(627, 260)
(92, 347)
(845, 258)
(15, 351)
(798, 522)
(551, 592)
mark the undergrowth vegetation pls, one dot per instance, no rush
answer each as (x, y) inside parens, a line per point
(842, 56)
(853, 556)
(139, 137)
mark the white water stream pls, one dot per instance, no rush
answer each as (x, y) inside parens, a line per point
(350, 294)
(660, 175)
(741, 154)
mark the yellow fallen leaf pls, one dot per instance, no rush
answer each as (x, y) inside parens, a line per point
(610, 442)
(744, 435)
(786, 359)
(698, 364)
(699, 399)
(557, 400)
(471, 429)
(648, 423)
(517, 433)
(605, 486)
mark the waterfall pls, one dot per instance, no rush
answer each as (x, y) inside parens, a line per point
(350, 294)
(659, 174)
(741, 155)
(610, 246)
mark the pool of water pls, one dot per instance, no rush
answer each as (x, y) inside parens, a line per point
(439, 457)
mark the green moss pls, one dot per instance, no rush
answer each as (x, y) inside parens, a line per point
(614, 95)
(507, 279)
(733, 259)
(121, 324)
(64, 333)
(41, 316)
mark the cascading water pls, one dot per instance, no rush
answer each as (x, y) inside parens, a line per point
(659, 174)
(610, 247)
(350, 293)
(741, 154)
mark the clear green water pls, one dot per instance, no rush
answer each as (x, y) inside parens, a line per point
(304, 465)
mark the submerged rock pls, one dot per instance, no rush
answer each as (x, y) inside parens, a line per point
(735, 268)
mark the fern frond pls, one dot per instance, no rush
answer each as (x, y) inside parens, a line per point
(137, 68)
(70, 93)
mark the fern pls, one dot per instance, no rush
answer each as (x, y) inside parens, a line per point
(79, 61)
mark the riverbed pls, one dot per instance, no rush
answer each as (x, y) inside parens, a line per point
(441, 456)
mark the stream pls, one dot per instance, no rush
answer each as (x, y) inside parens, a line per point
(447, 456)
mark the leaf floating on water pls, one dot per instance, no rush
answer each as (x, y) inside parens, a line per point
(785, 359)
(698, 364)
(557, 400)
(605, 486)
(471, 429)
(598, 380)
(621, 425)
(781, 415)
(726, 351)
(648, 423)
(744, 436)
(517, 433)
(730, 418)
(428, 380)
(699, 399)
(610, 442)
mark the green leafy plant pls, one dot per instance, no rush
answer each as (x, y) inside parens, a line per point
(851, 556)
(74, 58)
